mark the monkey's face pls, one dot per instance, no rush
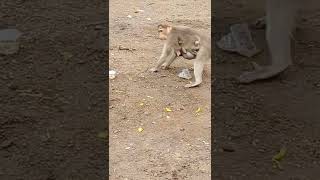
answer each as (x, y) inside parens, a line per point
(163, 35)
(163, 32)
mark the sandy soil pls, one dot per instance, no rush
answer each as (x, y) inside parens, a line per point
(53, 91)
(173, 145)
(256, 120)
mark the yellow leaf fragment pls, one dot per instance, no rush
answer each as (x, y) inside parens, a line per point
(168, 109)
(140, 129)
(278, 157)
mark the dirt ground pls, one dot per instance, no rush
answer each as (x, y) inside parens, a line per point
(256, 120)
(53, 91)
(172, 145)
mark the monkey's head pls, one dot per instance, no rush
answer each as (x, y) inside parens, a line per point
(164, 31)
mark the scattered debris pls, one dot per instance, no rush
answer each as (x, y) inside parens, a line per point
(126, 48)
(141, 104)
(149, 19)
(9, 41)
(102, 135)
(239, 40)
(66, 55)
(6, 144)
(140, 129)
(116, 131)
(129, 16)
(150, 97)
(185, 74)
(278, 157)
(31, 94)
(167, 109)
(228, 148)
(138, 11)
(206, 143)
(198, 110)
(112, 74)
(99, 27)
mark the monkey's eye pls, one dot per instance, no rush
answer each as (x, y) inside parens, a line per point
(160, 30)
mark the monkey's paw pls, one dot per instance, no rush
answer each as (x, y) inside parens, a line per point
(153, 70)
(260, 73)
(164, 67)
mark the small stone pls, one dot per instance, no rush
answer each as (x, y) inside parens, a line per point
(138, 10)
(6, 144)
(9, 41)
(185, 74)
(228, 148)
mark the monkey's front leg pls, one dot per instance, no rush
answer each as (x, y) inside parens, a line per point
(169, 60)
(166, 58)
(280, 21)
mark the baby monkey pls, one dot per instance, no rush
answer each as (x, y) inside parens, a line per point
(189, 53)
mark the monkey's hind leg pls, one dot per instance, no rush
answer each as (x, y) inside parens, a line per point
(280, 21)
(198, 70)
